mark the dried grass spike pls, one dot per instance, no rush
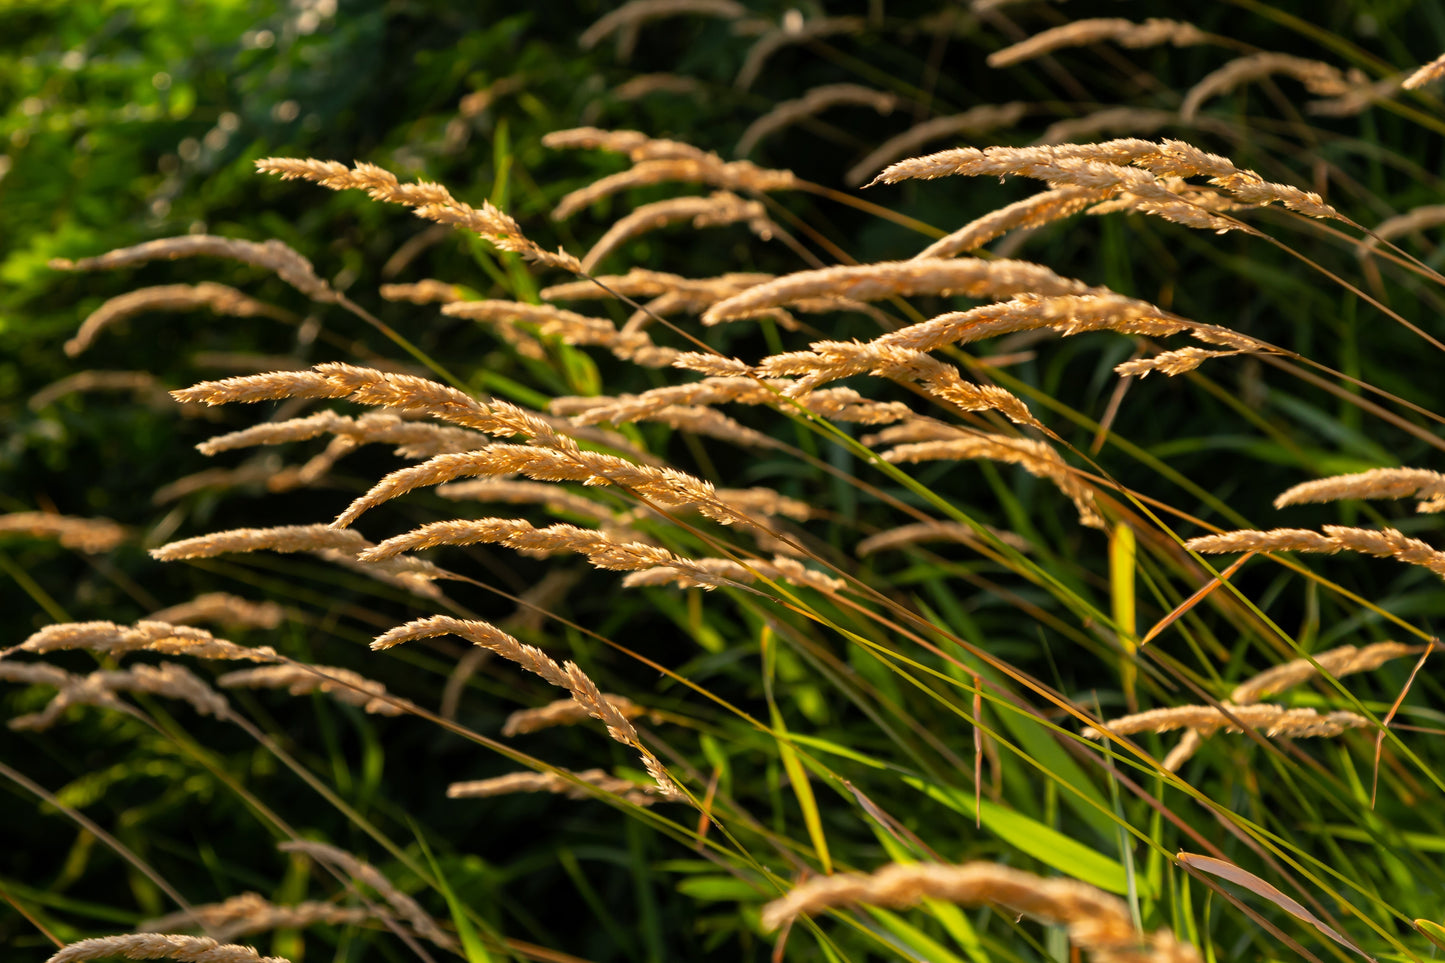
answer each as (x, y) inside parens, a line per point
(1319, 78)
(272, 255)
(1427, 74)
(1376, 483)
(1270, 720)
(1274, 540)
(1342, 661)
(563, 712)
(717, 209)
(635, 12)
(792, 31)
(219, 298)
(90, 535)
(976, 120)
(1052, 205)
(426, 291)
(223, 608)
(1097, 923)
(405, 907)
(1170, 363)
(815, 101)
(1416, 219)
(871, 282)
(554, 782)
(341, 684)
(1080, 33)
(158, 946)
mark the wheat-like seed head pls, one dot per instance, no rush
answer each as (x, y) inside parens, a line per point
(563, 712)
(426, 291)
(815, 101)
(1097, 922)
(218, 298)
(515, 782)
(90, 535)
(1319, 78)
(343, 685)
(223, 608)
(145, 636)
(1080, 33)
(871, 282)
(935, 531)
(1345, 660)
(272, 255)
(630, 15)
(708, 169)
(252, 913)
(792, 31)
(1052, 205)
(158, 946)
(717, 209)
(1427, 74)
(975, 120)
(405, 907)
(1270, 720)
(429, 201)
(1418, 483)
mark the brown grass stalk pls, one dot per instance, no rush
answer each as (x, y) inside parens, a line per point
(144, 385)
(1322, 79)
(335, 545)
(1270, 720)
(515, 782)
(872, 282)
(1171, 363)
(1418, 483)
(225, 609)
(158, 946)
(251, 913)
(1337, 662)
(428, 200)
(1116, 164)
(99, 688)
(1037, 458)
(1382, 543)
(1427, 74)
(534, 660)
(343, 685)
(563, 712)
(629, 15)
(793, 30)
(218, 298)
(93, 536)
(831, 360)
(108, 638)
(667, 487)
(975, 120)
(1045, 208)
(272, 255)
(935, 531)
(815, 101)
(1416, 219)
(425, 291)
(710, 170)
(1081, 33)
(363, 872)
(1097, 923)
(717, 209)
(602, 549)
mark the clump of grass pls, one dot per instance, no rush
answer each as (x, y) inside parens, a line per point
(825, 710)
